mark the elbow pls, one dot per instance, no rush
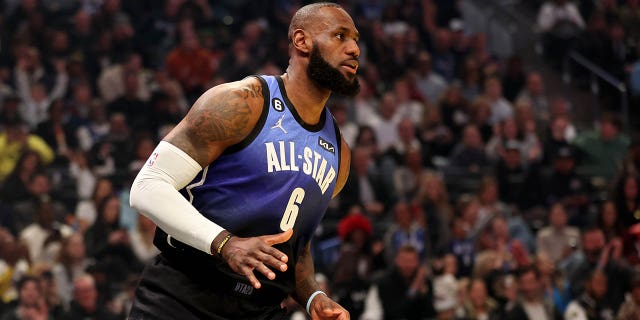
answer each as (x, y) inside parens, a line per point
(136, 195)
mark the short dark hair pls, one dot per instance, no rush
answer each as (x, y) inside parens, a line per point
(304, 15)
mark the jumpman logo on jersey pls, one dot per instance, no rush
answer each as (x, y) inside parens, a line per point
(279, 124)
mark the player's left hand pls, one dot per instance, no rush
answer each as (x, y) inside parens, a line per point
(322, 307)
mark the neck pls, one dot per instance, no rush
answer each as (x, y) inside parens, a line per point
(306, 96)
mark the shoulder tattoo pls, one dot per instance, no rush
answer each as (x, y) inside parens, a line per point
(227, 116)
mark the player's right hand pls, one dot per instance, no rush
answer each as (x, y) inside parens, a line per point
(246, 255)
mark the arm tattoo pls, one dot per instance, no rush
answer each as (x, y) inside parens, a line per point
(220, 117)
(305, 277)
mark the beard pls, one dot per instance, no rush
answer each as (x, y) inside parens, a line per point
(328, 77)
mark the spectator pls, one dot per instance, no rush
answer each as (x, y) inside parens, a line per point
(16, 139)
(43, 237)
(408, 107)
(554, 284)
(557, 240)
(86, 210)
(348, 129)
(531, 304)
(407, 140)
(566, 186)
(445, 289)
(631, 307)
(610, 223)
(403, 292)
(111, 82)
(16, 187)
(534, 92)
(560, 23)
(36, 100)
(405, 229)
(462, 247)
(596, 253)
(479, 305)
(71, 263)
(469, 155)
(604, 149)
(354, 266)
(454, 109)
(387, 129)
(136, 111)
(40, 190)
(433, 200)
(430, 84)
(365, 186)
(591, 303)
(85, 302)
(627, 199)
(514, 78)
(58, 133)
(31, 303)
(142, 239)
(480, 116)
(190, 64)
(109, 244)
(501, 109)
(409, 175)
(435, 135)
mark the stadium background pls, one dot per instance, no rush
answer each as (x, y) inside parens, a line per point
(482, 128)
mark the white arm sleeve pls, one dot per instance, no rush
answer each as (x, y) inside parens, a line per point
(155, 194)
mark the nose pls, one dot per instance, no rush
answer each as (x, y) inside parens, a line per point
(353, 49)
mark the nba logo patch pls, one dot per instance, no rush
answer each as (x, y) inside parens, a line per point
(152, 159)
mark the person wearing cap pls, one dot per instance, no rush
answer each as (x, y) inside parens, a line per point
(567, 186)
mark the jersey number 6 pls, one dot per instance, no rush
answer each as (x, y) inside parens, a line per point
(291, 212)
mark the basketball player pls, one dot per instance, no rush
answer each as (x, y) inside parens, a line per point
(239, 186)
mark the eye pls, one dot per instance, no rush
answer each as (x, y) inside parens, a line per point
(340, 36)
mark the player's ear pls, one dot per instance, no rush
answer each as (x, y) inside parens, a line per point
(301, 40)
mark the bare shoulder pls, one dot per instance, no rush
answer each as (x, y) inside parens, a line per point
(345, 166)
(223, 116)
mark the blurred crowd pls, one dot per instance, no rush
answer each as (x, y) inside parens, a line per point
(473, 193)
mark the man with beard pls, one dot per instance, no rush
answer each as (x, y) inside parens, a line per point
(238, 188)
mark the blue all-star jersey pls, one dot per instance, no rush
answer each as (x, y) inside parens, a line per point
(281, 176)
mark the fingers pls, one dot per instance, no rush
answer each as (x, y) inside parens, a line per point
(277, 238)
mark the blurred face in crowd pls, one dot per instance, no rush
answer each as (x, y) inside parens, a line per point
(85, 293)
(608, 130)
(361, 160)
(535, 85)
(30, 293)
(609, 214)
(111, 210)
(493, 88)
(388, 105)
(75, 248)
(471, 137)
(630, 188)
(529, 286)
(478, 293)
(406, 131)
(597, 285)
(593, 243)
(558, 216)
(407, 263)
(403, 215)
